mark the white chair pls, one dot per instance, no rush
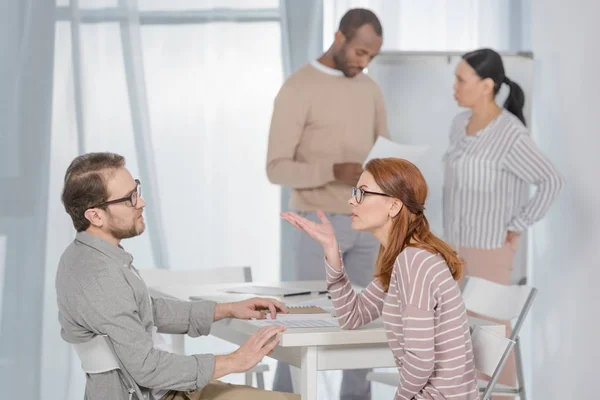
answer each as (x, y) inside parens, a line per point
(154, 277)
(490, 352)
(97, 357)
(493, 300)
(167, 277)
(507, 303)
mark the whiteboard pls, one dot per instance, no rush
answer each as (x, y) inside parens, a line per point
(417, 88)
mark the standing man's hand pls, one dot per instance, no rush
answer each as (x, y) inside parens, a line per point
(349, 173)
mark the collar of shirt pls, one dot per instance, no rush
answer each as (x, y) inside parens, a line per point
(326, 69)
(116, 253)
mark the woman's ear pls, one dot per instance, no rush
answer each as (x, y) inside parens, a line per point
(395, 208)
(488, 84)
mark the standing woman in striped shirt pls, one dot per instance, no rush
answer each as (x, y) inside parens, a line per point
(414, 288)
(490, 164)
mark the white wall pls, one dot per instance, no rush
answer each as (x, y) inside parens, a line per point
(566, 245)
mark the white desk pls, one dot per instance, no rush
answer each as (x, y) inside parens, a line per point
(311, 350)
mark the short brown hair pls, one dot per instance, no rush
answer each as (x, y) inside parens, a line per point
(355, 18)
(85, 184)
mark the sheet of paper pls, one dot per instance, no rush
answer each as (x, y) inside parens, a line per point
(268, 290)
(384, 148)
(297, 323)
(282, 316)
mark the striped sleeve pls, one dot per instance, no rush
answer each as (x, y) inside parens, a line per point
(353, 310)
(416, 274)
(419, 356)
(527, 162)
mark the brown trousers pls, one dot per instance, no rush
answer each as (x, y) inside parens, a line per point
(217, 390)
(494, 265)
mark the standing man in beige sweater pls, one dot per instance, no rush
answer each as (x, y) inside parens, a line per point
(326, 118)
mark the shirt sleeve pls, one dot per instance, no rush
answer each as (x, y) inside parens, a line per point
(108, 307)
(527, 162)
(353, 310)
(287, 125)
(415, 291)
(175, 316)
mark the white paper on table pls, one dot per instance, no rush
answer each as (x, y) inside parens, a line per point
(384, 148)
(297, 323)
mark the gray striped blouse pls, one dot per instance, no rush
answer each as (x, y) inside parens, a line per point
(487, 178)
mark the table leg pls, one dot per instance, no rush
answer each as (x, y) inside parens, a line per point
(309, 373)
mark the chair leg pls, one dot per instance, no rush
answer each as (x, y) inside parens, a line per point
(248, 378)
(260, 380)
(520, 376)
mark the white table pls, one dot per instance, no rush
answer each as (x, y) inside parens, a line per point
(309, 349)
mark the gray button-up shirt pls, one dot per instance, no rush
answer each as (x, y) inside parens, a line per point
(99, 294)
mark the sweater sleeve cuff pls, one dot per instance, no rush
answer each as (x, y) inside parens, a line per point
(202, 315)
(334, 274)
(206, 369)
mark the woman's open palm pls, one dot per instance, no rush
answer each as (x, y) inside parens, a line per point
(322, 233)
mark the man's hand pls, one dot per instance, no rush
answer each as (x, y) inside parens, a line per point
(349, 173)
(251, 308)
(250, 353)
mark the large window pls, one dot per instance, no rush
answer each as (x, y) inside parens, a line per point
(437, 25)
(183, 91)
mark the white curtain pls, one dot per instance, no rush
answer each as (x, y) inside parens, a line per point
(188, 79)
(436, 25)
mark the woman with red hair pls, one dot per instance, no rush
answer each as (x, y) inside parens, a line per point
(414, 287)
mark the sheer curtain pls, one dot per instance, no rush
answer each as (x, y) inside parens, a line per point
(437, 25)
(181, 89)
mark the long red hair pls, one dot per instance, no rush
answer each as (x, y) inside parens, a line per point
(401, 179)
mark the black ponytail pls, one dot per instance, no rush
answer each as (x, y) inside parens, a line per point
(515, 100)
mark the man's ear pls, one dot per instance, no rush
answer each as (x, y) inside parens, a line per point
(94, 216)
(395, 208)
(339, 38)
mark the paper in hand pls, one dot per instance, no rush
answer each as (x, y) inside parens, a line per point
(384, 148)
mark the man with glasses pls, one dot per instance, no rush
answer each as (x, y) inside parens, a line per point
(99, 292)
(326, 118)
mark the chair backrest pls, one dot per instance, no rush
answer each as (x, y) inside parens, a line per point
(501, 302)
(488, 349)
(167, 277)
(96, 356)
(490, 352)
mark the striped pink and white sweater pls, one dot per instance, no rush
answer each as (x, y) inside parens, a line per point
(425, 321)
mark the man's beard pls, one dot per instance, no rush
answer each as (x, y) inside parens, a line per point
(339, 58)
(126, 233)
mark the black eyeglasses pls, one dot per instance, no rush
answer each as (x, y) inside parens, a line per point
(359, 194)
(131, 198)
